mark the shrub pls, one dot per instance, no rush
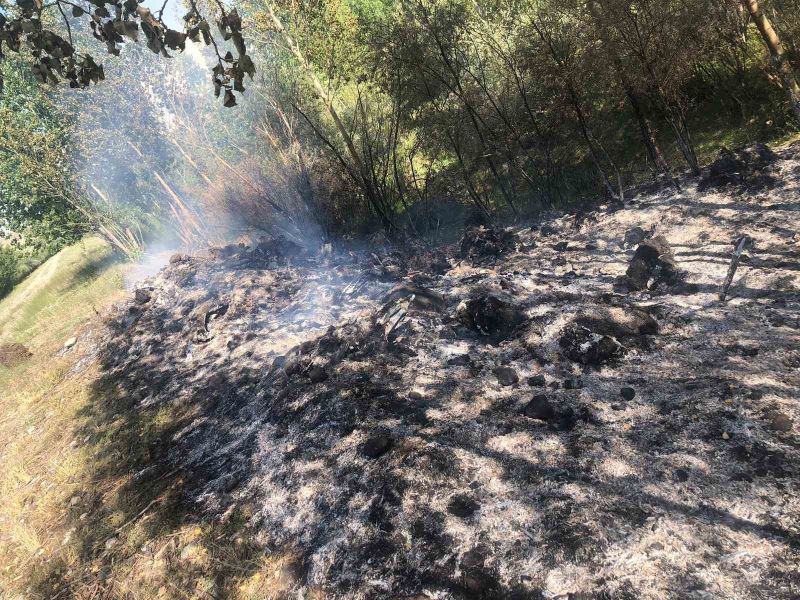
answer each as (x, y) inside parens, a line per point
(9, 270)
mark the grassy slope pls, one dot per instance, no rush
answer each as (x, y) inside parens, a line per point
(38, 402)
(74, 523)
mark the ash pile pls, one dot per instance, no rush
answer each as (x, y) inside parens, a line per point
(532, 413)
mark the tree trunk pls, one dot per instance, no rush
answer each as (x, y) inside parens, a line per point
(775, 46)
(329, 101)
(648, 135)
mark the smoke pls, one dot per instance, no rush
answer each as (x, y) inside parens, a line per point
(159, 157)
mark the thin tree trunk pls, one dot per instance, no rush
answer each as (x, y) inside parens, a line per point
(328, 100)
(589, 138)
(648, 135)
(778, 54)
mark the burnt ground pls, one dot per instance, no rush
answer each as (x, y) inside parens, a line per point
(512, 421)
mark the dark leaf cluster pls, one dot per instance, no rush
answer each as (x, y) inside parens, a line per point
(113, 22)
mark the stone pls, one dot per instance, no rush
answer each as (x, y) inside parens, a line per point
(780, 421)
(421, 298)
(573, 384)
(506, 376)
(490, 315)
(142, 296)
(628, 393)
(540, 408)
(537, 381)
(70, 343)
(583, 345)
(560, 246)
(317, 374)
(188, 551)
(652, 264)
(177, 258)
(634, 236)
(377, 445)
(460, 360)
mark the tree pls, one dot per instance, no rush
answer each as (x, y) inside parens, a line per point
(28, 25)
(777, 53)
(37, 210)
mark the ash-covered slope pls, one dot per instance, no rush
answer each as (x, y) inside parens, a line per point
(568, 411)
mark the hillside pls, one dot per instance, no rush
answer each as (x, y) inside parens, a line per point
(562, 410)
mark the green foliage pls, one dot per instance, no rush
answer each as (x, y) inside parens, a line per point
(9, 270)
(34, 27)
(37, 213)
(511, 105)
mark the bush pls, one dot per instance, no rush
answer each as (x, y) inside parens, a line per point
(9, 270)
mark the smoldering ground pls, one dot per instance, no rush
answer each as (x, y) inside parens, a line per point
(447, 438)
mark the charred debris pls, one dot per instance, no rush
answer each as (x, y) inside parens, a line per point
(502, 418)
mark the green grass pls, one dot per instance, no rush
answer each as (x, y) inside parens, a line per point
(61, 294)
(70, 442)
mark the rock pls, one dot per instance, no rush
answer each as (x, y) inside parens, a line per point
(462, 506)
(74, 501)
(652, 264)
(540, 408)
(177, 258)
(142, 296)
(537, 381)
(506, 376)
(460, 360)
(111, 542)
(480, 242)
(317, 374)
(582, 345)
(573, 384)
(628, 393)
(377, 445)
(70, 343)
(634, 237)
(560, 246)
(780, 421)
(490, 315)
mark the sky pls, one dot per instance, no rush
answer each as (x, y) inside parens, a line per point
(173, 14)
